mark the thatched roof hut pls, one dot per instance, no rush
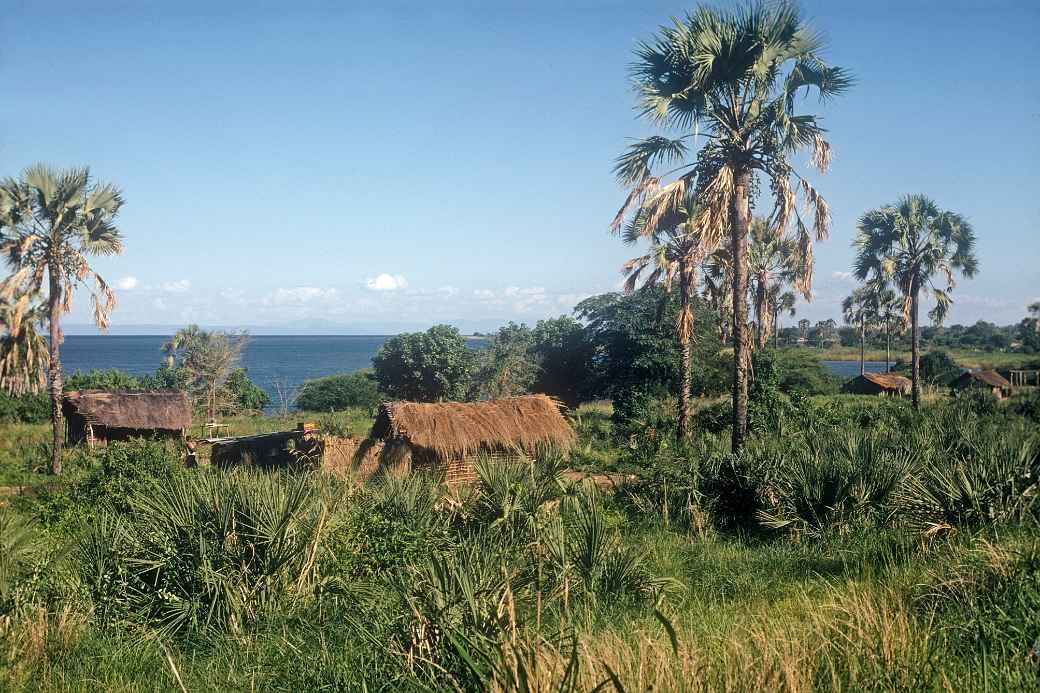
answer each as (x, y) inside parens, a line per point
(990, 380)
(879, 384)
(99, 415)
(447, 435)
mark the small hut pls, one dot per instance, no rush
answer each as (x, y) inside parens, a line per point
(881, 384)
(301, 446)
(983, 380)
(96, 415)
(447, 436)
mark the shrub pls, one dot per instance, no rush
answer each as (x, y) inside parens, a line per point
(800, 370)
(29, 409)
(205, 552)
(244, 393)
(431, 366)
(111, 379)
(338, 392)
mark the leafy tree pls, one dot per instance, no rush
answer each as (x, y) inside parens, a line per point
(507, 367)
(937, 368)
(337, 392)
(673, 255)
(635, 344)
(244, 393)
(23, 349)
(734, 75)
(564, 355)
(909, 243)
(51, 222)
(432, 366)
(208, 358)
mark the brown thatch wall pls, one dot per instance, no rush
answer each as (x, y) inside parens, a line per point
(452, 431)
(162, 410)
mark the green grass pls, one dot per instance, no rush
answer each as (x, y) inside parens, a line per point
(967, 358)
(248, 581)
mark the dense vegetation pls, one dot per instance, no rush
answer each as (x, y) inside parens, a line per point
(853, 543)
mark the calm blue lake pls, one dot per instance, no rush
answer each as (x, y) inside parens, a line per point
(270, 360)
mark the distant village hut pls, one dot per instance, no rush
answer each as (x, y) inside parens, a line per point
(299, 447)
(983, 380)
(98, 416)
(447, 437)
(881, 384)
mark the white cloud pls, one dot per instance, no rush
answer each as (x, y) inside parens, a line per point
(386, 282)
(515, 291)
(127, 283)
(448, 291)
(176, 287)
(843, 276)
(299, 295)
(483, 293)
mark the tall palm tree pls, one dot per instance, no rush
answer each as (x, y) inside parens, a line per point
(772, 265)
(909, 243)
(735, 76)
(23, 349)
(857, 310)
(673, 254)
(51, 223)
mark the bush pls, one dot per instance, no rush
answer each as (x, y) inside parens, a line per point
(432, 366)
(337, 392)
(800, 370)
(29, 409)
(245, 394)
(112, 380)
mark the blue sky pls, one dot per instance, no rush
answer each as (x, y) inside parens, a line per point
(395, 165)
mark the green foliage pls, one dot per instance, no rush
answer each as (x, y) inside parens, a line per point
(16, 549)
(204, 552)
(937, 368)
(431, 366)
(339, 392)
(801, 371)
(244, 393)
(565, 357)
(507, 367)
(634, 341)
(24, 408)
(111, 379)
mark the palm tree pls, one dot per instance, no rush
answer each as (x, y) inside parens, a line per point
(888, 313)
(772, 264)
(718, 290)
(909, 243)
(735, 77)
(784, 303)
(857, 310)
(52, 222)
(23, 349)
(674, 246)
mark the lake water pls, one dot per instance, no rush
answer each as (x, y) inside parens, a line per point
(272, 360)
(850, 369)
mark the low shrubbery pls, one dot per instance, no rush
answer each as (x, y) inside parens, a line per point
(24, 408)
(339, 392)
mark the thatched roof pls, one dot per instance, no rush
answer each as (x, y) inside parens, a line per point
(889, 381)
(987, 378)
(453, 430)
(166, 410)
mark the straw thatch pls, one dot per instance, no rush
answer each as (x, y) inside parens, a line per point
(452, 430)
(879, 384)
(982, 379)
(165, 410)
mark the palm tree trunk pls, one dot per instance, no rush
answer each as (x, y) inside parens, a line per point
(776, 329)
(915, 350)
(862, 346)
(888, 346)
(762, 338)
(739, 223)
(54, 371)
(685, 365)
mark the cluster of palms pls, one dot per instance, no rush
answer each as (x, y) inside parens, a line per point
(726, 84)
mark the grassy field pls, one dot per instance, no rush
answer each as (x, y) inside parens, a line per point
(964, 357)
(854, 545)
